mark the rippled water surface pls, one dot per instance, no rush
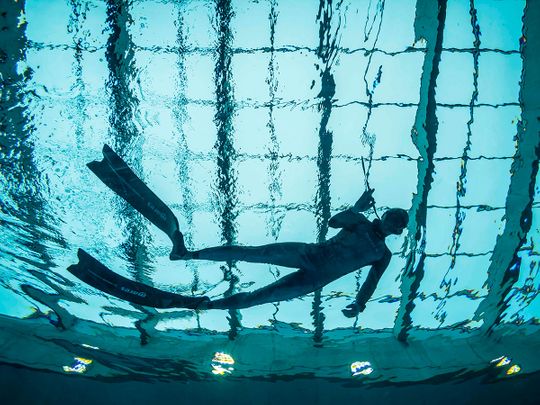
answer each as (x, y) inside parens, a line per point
(256, 121)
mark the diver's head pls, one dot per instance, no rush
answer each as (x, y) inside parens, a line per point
(394, 221)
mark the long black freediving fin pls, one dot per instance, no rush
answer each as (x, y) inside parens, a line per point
(117, 175)
(97, 275)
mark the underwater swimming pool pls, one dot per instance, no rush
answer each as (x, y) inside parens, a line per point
(256, 121)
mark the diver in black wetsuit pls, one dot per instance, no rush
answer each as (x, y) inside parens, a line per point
(359, 243)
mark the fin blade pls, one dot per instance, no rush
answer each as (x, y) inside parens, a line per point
(121, 179)
(97, 275)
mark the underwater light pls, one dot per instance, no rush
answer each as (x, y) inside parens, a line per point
(501, 361)
(513, 370)
(224, 358)
(219, 370)
(221, 363)
(89, 347)
(361, 368)
(79, 366)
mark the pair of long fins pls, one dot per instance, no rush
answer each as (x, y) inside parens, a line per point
(116, 174)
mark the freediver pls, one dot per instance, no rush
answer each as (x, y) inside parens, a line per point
(359, 243)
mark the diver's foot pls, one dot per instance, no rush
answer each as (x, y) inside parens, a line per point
(179, 250)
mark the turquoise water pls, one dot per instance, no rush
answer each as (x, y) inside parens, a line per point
(251, 120)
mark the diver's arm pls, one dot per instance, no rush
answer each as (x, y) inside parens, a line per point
(365, 201)
(352, 215)
(345, 219)
(368, 288)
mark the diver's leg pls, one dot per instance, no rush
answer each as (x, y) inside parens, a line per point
(291, 286)
(288, 254)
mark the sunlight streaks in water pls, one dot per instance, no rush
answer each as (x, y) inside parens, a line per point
(225, 184)
(505, 263)
(424, 137)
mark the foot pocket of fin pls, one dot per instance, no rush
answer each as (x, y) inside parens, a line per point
(179, 250)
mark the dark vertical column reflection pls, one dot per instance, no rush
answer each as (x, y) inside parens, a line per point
(123, 106)
(23, 184)
(16, 148)
(327, 52)
(76, 21)
(368, 138)
(505, 263)
(429, 24)
(274, 174)
(183, 155)
(23, 180)
(462, 181)
(226, 154)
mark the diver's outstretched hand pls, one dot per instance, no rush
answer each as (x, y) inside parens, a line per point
(365, 201)
(351, 310)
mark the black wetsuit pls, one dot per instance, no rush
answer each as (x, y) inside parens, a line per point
(359, 243)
